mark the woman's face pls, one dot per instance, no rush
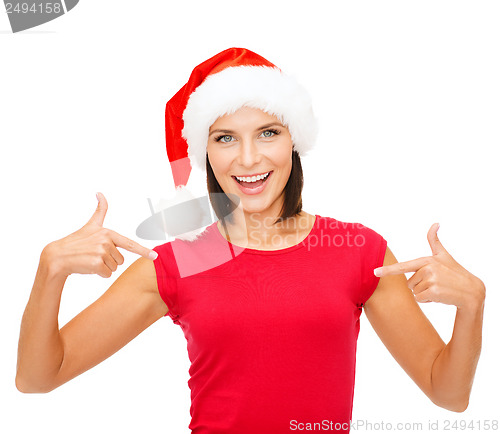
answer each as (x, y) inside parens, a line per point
(246, 143)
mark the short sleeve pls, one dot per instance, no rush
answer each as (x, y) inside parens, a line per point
(372, 252)
(166, 277)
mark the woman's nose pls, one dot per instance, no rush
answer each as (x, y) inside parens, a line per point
(249, 153)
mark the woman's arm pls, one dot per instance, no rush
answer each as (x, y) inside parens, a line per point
(40, 349)
(454, 368)
(444, 372)
(49, 357)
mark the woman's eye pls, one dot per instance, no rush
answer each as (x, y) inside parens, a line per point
(269, 133)
(225, 139)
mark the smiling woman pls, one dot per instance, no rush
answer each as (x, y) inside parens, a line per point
(250, 289)
(269, 297)
(268, 277)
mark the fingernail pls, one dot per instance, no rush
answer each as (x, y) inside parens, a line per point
(97, 195)
(377, 272)
(437, 227)
(153, 255)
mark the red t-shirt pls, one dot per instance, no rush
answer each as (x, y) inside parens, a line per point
(271, 335)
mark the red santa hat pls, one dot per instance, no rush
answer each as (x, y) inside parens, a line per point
(221, 85)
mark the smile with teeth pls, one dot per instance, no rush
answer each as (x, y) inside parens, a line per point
(252, 178)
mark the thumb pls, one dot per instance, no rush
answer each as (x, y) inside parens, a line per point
(433, 240)
(99, 214)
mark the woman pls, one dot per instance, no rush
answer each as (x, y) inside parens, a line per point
(269, 297)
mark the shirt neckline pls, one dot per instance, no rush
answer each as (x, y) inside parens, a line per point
(248, 250)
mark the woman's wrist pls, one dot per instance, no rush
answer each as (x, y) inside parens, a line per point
(475, 302)
(50, 266)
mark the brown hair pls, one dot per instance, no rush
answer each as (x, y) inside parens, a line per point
(292, 203)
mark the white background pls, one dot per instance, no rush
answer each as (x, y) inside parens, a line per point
(407, 94)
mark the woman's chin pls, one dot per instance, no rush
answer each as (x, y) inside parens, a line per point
(254, 206)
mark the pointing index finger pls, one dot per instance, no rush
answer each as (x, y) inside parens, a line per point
(132, 246)
(401, 267)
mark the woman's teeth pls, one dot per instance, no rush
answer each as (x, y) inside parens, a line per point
(252, 178)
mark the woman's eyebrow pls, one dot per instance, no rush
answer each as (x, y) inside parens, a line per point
(272, 124)
(222, 131)
(263, 127)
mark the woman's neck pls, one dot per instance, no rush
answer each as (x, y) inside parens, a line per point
(257, 230)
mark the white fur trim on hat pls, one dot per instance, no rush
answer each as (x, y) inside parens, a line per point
(259, 87)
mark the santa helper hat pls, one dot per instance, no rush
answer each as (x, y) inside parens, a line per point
(221, 85)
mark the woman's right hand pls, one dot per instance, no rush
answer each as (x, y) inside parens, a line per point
(92, 249)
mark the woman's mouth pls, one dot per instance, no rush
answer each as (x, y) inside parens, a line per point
(248, 186)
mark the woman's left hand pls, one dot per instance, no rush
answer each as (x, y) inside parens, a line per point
(439, 277)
